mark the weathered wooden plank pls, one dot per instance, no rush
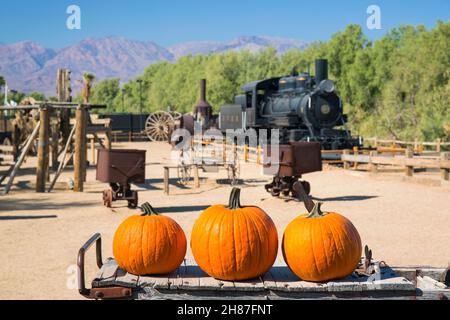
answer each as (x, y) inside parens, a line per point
(205, 282)
(287, 281)
(416, 162)
(269, 281)
(157, 282)
(349, 284)
(125, 279)
(189, 277)
(250, 285)
(190, 274)
(107, 274)
(6, 149)
(175, 281)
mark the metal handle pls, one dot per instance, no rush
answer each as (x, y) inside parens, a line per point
(97, 238)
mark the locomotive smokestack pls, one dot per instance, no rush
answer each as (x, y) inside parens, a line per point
(203, 108)
(203, 90)
(321, 70)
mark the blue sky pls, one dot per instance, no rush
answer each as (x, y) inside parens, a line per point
(173, 21)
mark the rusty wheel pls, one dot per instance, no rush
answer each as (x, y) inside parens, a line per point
(107, 198)
(158, 125)
(133, 204)
(184, 174)
(176, 115)
(234, 171)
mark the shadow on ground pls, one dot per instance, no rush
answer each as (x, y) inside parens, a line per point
(345, 198)
(9, 218)
(8, 205)
(180, 209)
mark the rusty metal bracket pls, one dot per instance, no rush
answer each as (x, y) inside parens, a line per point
(367, 267)
(110, 293)
(97, 293)
(97, 239)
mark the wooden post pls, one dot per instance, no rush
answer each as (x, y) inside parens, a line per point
(445, 172)
(63, 163)
(43, 150)
(108, 138)
(438, 145)
(224, 150)
(245, 152)
(409, 170)
(258, 155)
(355, 152)
(346, 163)
(93, 151)
(80, 149)
(16, 141)
(196, 178)
(54, 148)
(416, 145)
(166, 180)
(373, 166)
(63, 93)
(23, 154)
(375, 143)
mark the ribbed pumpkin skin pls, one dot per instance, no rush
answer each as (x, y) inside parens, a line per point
(322, 248)
(145, 245)
(234, 244)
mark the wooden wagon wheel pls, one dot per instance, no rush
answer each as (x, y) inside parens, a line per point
(176, 115)
(157, 126)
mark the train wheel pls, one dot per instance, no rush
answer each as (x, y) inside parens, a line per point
(132, 204)
(275, 192)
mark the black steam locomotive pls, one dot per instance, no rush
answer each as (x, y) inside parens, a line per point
(302, 107)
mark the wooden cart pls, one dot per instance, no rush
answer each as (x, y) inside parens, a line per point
(189, 282)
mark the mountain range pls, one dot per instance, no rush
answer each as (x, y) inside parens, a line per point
(28, 66)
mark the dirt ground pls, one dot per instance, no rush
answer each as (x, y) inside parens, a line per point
(404, 223)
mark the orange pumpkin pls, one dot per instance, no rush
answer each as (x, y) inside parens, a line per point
(321, 246)
(149, 244)
(234, 243)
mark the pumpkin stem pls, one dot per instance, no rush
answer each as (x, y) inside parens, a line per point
(235, 199)
(316, 212)
(147, 210)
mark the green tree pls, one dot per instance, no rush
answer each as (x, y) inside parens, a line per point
(105, 92)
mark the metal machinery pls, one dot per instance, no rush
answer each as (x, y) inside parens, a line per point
(203, 119)
(301, 106)
(120, 168)
(295, 159)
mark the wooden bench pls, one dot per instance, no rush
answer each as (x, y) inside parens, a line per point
(167, 177)
(190, 282)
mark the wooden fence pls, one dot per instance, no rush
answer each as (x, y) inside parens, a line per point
(416, 145)
(393, 155)
(408, 161)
